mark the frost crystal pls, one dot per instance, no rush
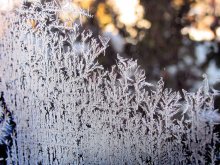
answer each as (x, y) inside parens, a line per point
(69, 110)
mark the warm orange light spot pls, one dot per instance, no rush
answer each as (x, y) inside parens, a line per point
(85, 4)
(145, 24)
(203, 24)
(103, 17)
(32, 23)
(111, 28)
(200, 8)
(133, 32)
(203, 14)
(177, 3)
(208, 20)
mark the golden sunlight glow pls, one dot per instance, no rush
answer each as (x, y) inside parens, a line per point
(103, 17)
(198, 34)
(129, 11)
(85, 4)
(111, 28)
(204, 14)
(144, 24)
(199, 8)
(177, 3)
(133, 32)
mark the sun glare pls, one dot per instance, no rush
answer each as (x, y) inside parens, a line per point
(129, 11)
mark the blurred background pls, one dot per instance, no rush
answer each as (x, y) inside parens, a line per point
(178, 40)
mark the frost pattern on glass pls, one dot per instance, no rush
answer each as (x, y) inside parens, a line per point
(69, 110)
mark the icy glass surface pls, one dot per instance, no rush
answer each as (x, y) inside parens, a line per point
(69, 110)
